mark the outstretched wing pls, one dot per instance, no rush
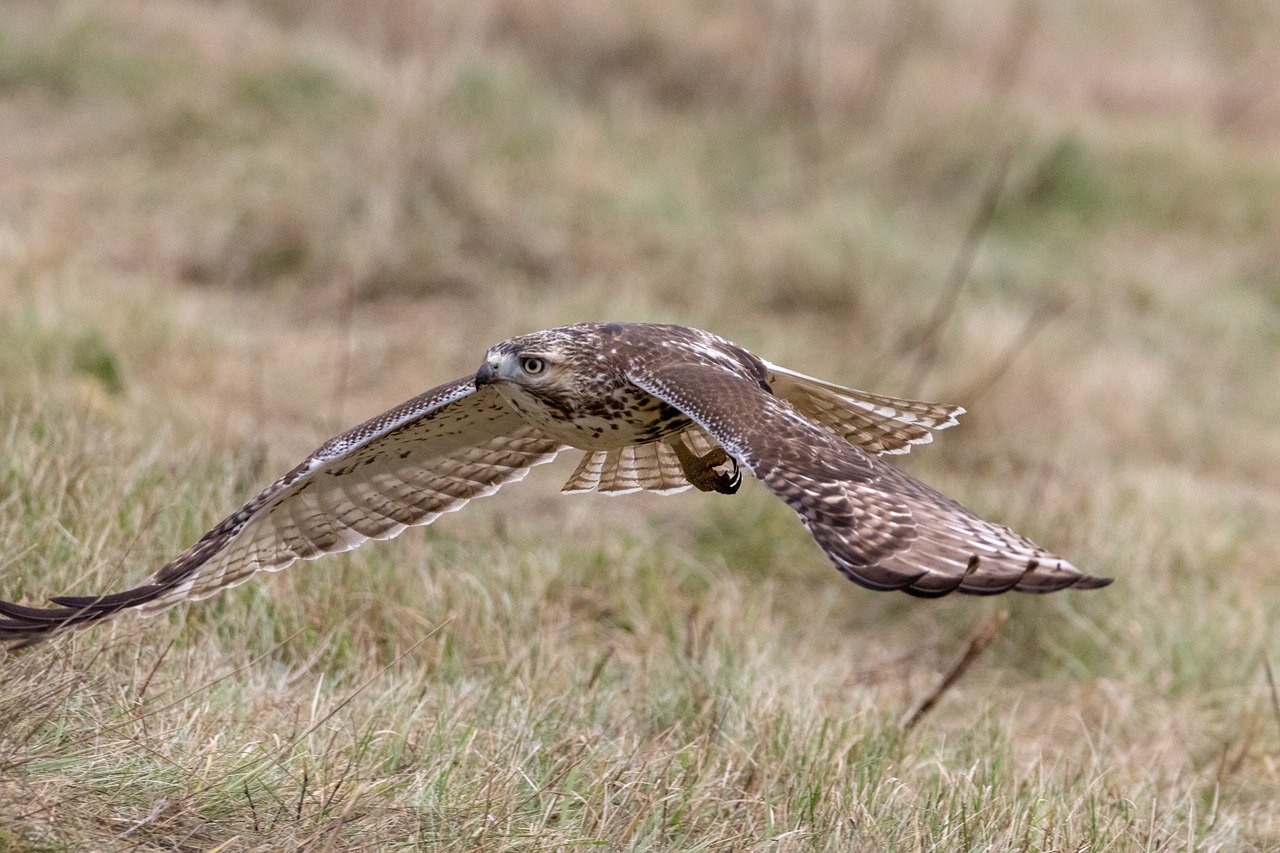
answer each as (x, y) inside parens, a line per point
(404, 467)
(881, 527)
(874, 422)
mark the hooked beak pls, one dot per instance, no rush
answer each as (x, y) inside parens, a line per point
(488, 373)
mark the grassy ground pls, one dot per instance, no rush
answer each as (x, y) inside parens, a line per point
(228, 230)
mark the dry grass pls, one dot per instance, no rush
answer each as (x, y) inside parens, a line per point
(227, 230)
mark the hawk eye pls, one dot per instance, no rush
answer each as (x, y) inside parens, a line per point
(532, 365)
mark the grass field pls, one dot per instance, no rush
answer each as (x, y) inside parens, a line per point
(228, 230)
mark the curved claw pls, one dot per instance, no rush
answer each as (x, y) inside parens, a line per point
(728, 484)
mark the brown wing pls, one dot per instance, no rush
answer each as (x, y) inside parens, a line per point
(404, 467)
(881, 527)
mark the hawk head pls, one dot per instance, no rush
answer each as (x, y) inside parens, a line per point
(552, 373)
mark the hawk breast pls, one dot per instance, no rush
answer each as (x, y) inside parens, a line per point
(623, 416)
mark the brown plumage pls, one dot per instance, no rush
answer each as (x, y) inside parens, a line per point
(656, 407)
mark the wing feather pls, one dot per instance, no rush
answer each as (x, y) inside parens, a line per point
(405, 467)
(874, 422)
(652, 467)
(881, 527)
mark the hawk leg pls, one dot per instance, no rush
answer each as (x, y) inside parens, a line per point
(701, 470)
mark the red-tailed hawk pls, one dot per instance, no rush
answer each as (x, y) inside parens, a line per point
(655, 407)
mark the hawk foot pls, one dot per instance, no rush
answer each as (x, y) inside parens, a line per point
(701, 470)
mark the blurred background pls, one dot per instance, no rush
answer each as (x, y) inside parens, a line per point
(231, 229)
(925, 197)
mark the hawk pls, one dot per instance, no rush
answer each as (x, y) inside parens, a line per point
(655, 407)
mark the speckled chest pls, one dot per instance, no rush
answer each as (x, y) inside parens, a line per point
(623, 416)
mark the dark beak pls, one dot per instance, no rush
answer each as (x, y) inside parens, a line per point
(485, 375)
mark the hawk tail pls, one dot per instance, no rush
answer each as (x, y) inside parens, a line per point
(874, 422)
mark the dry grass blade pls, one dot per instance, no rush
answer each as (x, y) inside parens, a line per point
(1271, 684)
(977, 645)
(1035, 324)
(288, 748)
(926, 341)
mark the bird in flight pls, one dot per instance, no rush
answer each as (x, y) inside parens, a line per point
(655, 407)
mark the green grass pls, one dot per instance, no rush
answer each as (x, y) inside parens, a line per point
(228, 232)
